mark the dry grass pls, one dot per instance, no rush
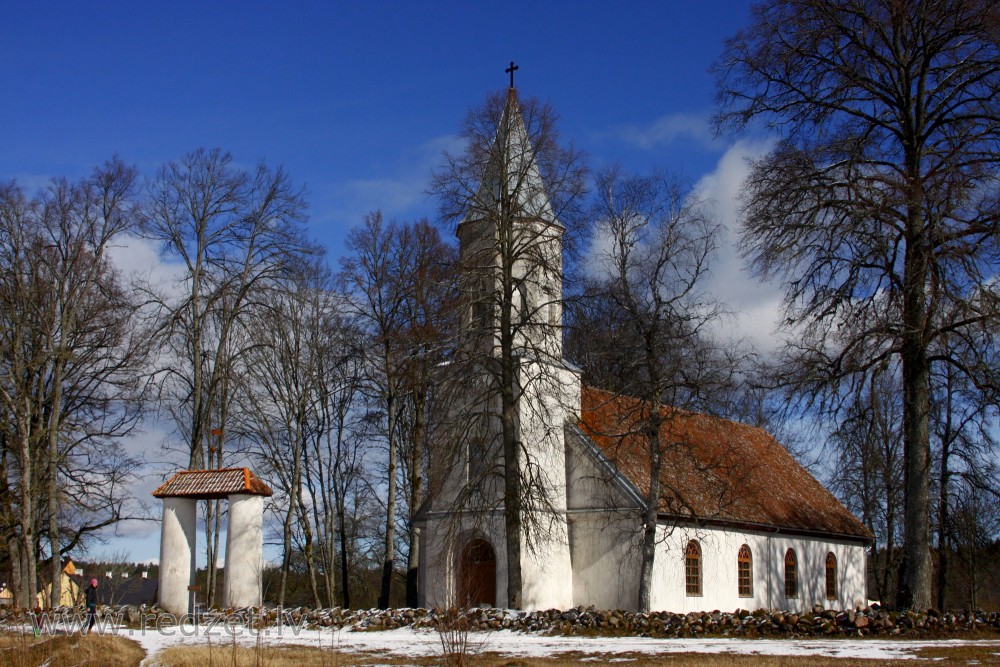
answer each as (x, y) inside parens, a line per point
(26, 650)
(228, 656)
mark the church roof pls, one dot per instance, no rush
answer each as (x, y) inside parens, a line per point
(204, 484)
(715, 470)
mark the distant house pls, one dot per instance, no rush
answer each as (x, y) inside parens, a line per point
(69, 593)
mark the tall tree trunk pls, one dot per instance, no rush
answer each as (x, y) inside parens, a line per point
(653, 499)
(943, 505)
(308, 551)
(28, 583)
(322, 516)
(916, 589)
(55, 569)
(416, 493)
(345, 581)
(390, 506)
(213, 564)
(512, 501)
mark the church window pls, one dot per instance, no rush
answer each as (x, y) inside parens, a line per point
(744, 572)
(482, 308)
(791, 574)
(525, 304)
(481, 459)
(553, 308)
(831, 576)
(692, 568)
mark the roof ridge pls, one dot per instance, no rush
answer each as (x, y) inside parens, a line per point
(682, 411)
(212, 483)
(203, 470)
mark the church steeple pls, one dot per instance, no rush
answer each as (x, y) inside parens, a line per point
(511, 243)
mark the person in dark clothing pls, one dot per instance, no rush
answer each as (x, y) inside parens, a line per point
(90, 593)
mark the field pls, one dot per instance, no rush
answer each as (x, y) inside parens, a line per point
(188, 647)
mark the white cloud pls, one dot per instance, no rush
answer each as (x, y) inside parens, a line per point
(403, 192)
(139, 258)
(669, 128)
(757, 304)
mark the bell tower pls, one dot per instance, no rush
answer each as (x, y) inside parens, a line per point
(508, 465)
(510, 246)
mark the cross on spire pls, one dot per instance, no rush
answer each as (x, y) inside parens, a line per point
(510, 70)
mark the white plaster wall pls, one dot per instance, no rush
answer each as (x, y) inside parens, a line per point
(605, 560)
(593, 487)
(550, 393)
(546, 568)
(177, 553)
(719, 571)
(244, 551)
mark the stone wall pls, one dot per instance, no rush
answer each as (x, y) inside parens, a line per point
(588, 621)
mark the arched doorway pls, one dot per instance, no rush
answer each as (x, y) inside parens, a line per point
(477, 575)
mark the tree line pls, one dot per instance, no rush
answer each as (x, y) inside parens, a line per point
(348, 387)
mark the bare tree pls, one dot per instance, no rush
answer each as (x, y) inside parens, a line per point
(70, 380)
(400, 281)
(237, 234)
(375, 276)
(338, 449)
(428, 330)
(655, 242)
(278, 407)
(878, 206)
(515, 195)
(868, 474)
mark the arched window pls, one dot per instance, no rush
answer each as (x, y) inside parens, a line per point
(791, 574)
(524, 305)
(744, 572)
(692, 568)
(831, 576)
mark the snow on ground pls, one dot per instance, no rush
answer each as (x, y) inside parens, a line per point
(407, 642)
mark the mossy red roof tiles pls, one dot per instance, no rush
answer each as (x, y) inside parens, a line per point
(714, 470)
(203, 484)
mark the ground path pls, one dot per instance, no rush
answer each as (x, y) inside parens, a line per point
(406, 642)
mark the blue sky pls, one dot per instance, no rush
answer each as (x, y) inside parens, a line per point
(358, 100)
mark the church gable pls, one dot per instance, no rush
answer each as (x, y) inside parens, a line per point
(716, 470)
(593, 482)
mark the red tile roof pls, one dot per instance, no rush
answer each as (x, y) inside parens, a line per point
(202, 484)
(715, 470)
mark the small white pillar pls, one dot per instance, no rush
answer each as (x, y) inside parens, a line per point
(244, 551)
(177, 553)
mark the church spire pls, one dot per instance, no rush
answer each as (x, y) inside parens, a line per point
(510, 239)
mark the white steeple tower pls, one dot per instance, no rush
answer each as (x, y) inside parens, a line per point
(503, 498)
(511, 247)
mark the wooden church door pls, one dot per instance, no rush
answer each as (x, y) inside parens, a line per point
(478, 575)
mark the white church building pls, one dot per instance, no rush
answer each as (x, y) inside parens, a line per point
(741, 525)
